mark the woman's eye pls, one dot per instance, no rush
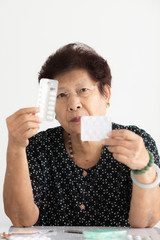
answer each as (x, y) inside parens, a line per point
(61, 95)
(83, 90)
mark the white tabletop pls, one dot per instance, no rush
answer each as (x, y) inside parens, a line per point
(72, 233)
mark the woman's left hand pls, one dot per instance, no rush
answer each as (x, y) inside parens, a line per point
(127, 148)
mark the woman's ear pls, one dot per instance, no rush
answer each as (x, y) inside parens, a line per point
(107, 91)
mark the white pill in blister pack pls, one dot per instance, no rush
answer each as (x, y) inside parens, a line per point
(47, 98)
(95, 128)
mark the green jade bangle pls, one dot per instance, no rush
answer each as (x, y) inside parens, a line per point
(148, 186)
(147, 167)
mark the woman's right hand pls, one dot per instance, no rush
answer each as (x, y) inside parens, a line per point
(22, 125)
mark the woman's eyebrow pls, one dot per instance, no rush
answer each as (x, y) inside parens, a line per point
(76, 85)
(61, 88)
(80, 83)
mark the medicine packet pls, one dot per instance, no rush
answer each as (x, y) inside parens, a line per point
(95, 128)
(47, 98)
(105, 234)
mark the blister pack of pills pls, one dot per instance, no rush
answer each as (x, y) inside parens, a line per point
(47, 98)
(29, 237)
(95, 128)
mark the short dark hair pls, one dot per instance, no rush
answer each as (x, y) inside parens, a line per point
(77, 56)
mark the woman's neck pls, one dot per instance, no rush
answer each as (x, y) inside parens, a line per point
(85, 154)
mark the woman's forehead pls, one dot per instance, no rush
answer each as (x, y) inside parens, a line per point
(74, 78)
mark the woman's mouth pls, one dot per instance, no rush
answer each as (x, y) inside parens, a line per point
(76, 119)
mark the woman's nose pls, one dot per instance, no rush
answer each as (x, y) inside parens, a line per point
(74, 108)
(74, 103)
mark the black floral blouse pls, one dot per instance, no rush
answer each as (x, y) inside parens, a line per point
(72, 196)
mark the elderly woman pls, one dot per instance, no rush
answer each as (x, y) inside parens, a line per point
(54, 178)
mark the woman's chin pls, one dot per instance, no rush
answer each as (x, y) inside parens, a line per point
(75, 129)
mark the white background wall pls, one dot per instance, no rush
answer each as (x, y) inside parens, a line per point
(125, 32)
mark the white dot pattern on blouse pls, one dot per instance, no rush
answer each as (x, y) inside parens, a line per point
(67, 196)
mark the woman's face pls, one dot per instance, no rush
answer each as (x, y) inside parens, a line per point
(78, 95)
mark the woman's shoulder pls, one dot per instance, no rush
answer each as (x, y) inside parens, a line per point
(141, 132)
(48, 135)
(132, 128)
